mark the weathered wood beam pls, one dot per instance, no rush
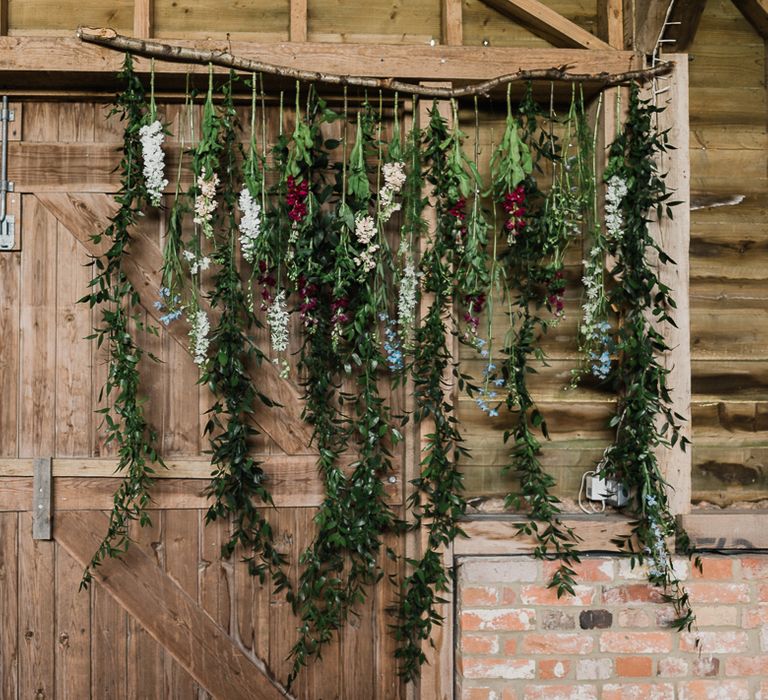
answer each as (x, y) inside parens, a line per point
(610, 22)
(548, 24)
(645, 20)
(142, 18)
(90, 483)
(176, 621)
(4, 17)
(499, 535)
(297, 26)
(84, 214)
(683, 24)
(726, 530)
(452, 24)
(756, 13)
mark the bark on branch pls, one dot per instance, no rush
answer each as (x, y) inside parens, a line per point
(181, 54)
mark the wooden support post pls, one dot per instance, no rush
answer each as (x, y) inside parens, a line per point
(142, 18)
(297, 28)
(4, 17)
(756, 13)
(41, 498)
(452, 23)
(610, 22)
(674, 237)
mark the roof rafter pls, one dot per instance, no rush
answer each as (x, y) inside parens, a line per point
(756, 13)
(677, 26)
(548, 24)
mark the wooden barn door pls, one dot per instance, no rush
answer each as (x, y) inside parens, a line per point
(172, 619)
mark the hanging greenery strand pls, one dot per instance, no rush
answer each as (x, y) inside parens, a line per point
(238, 482)
(125, 421)
(645, 420)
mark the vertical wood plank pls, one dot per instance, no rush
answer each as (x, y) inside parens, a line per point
(40, 122)
(9, 605)
(298, 20)
(74, 420)
(146, 658)
(610, 22)
(4, 17)
(181, 559)
(452, 23)
(214, 584)
(73, 630)
(38, 332)
(10, 289)
(76, 122)
(109, 640)
(675, 237)
(36, 613)
(181, 429)
(142, 18)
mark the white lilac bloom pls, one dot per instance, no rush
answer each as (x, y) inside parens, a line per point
(614, 196)
(277, 317)
(152, 137)
(394, 179)
(196, 264)
(198, 336)
(250, 224)
(205, 201)
(365, 230)
(406, 302)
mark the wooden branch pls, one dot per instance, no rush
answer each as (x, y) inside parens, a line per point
(180, 54)
(548, 24)
(756, 13)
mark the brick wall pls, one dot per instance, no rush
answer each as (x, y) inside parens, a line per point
(517, 641)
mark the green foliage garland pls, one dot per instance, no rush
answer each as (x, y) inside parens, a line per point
(126, 423)
(645, 419)
(238, 481)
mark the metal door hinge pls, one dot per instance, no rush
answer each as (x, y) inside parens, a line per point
(7, 222)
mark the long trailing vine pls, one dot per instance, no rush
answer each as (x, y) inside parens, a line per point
(645, 419)
(318, 231)
(125, 421)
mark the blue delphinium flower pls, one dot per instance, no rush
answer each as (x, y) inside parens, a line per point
(172, 308)
(392, 346)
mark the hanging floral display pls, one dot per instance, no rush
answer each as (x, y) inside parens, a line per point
(335, 231)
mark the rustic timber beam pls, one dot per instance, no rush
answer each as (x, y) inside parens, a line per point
(452, 24)
(548, 24)
(646, 18)
(297, 24)
(683, 24)
(84, 214)
(718, 530)
(176, 621)
(142, 18)
(676, 25)
(756, 13)
(494, 535)
(358, 77)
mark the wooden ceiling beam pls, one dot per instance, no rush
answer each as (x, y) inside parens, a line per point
(648, 20)
(22, 56)
(683, 24)
(756, 13)
(548, 24)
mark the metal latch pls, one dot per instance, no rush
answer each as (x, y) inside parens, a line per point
(7, 222)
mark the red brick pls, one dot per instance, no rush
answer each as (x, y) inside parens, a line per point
(706, 666)
(560, 692)
(762, 593)
(634, 666)
(479, 596)
(671, 667)
(547, 669)
(502, 619)
(717, 615)
(508, 596)
(541, 595)
(762, 693)
(636, 642)
(586, 570)
(746, 666)
(558, 643)
(715, 569)
(754, 617)
(594, 669)
(635, 617)
(479, 644)
(719, 689)
(632, 593)
(702, 592)
(754, 567)
(479, 694)
(508, 669)
(510, 646)
(715, 642)
(510, 694)
(638, 691)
